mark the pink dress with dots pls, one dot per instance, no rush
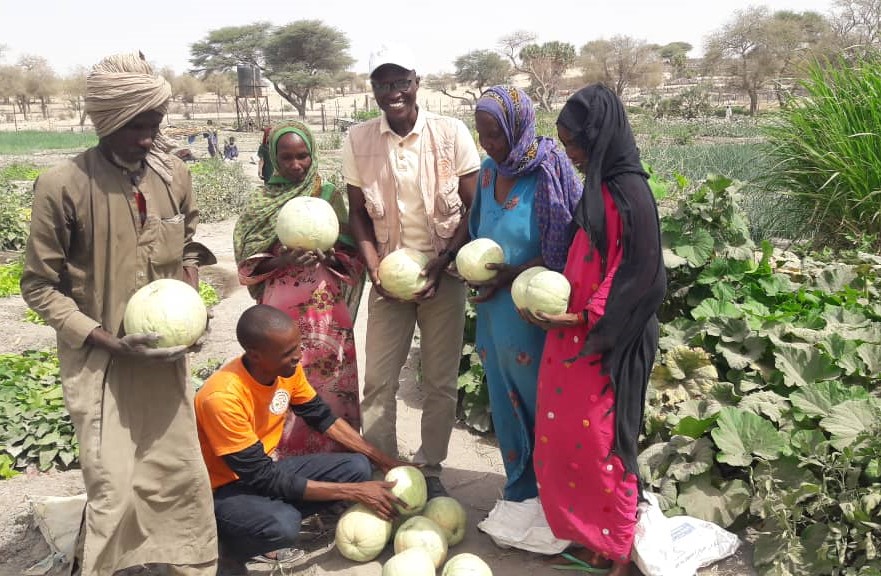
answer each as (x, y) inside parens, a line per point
(585, 493)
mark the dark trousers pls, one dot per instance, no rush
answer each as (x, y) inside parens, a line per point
(249, 524)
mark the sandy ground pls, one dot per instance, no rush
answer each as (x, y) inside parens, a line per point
(473, 473)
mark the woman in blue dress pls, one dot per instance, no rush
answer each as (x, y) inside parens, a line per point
(527, 192)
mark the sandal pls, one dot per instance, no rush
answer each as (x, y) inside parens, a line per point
(577, 565)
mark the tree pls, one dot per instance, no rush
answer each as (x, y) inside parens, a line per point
(40, 82)
(303, 56)
(482, 69)
(348, 81)
(545, 63)
(675, 55)
(621, 62)
(758, 47)
(297, 58)
(11, 84)
(225, 48)
(73, 86)
(856, 24)
(221, 84)
(186, 88)
(792, 39)
(446, 83)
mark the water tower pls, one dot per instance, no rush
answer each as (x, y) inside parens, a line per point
(252, 102)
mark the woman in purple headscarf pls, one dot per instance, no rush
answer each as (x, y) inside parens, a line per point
(526, 196)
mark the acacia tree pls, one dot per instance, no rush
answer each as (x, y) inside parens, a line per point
(297, 59)
(186, 88)
(304, 56)
(40, 82)
(545, 63)
(221, 84)
(791, 40)
(675, 55)
(757, 47)
(445, 84)
(480, 69)
(856, 25)
(621, 62)
(12, 86)
(73, 86)
(225, 48)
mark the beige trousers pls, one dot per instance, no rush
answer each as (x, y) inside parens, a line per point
(390, 327)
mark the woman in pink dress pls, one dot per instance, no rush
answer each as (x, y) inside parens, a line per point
(320, 291)
(599, 354)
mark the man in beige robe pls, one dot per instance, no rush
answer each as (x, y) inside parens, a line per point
(104, 224)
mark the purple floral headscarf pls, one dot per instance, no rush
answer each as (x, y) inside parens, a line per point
(559, 187)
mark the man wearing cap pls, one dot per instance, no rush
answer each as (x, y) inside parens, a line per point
(411, 176)
(104, 224)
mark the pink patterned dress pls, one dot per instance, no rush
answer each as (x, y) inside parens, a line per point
(585, 493)
(314, 298)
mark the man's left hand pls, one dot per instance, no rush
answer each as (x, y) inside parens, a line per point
(432, 272)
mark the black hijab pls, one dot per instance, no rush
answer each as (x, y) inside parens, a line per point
(626, 336)
(596, 118)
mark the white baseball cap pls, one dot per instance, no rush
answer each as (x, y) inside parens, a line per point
(390, 53)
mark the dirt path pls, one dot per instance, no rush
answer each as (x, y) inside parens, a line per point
(473, 474)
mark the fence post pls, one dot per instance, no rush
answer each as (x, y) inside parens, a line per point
(323, 127)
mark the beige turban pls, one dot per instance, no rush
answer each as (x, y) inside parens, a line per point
(119, 88)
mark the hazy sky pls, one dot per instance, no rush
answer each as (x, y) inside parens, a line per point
(70, 33)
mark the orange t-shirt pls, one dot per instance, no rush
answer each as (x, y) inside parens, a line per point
(234, 411)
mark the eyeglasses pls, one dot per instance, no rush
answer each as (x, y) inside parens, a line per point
(382, 88)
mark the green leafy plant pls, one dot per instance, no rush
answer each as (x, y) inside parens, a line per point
(208, 294)
(10, 276)
(33, 317)
(331, 141)
(473, 409)
(200, 373)
(221, 189)
(366, 114)
(15, 215)
(35, 429)
(17, 171)
(763, 412)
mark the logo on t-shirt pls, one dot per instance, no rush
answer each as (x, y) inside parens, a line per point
(280, 402)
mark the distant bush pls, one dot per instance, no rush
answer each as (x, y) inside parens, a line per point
(221, 189)
(362, 115)
(15, 215)
(19, 171)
